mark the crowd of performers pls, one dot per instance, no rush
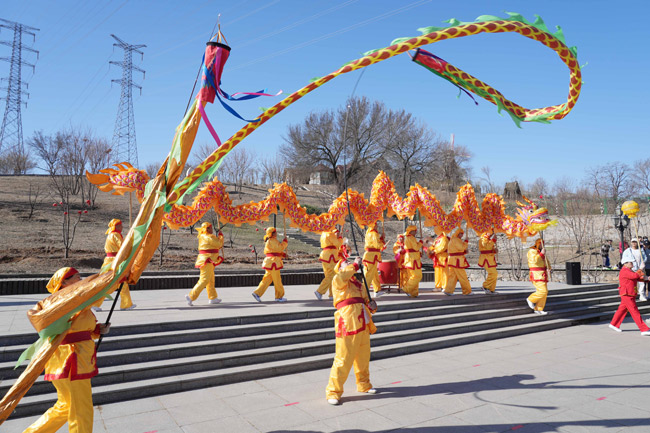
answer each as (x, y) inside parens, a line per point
(74, 362)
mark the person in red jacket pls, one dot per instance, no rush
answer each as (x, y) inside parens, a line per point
(627, 283)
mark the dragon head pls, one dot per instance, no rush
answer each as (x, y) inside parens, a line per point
(534, 217)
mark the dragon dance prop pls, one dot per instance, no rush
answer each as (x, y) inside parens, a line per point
(490, 216)
(51, 317)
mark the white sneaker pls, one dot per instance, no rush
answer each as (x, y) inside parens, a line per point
(541, 313)
(257, 297)
(214, 301)
(379, 294)
(96, 309)
(281, 300)
(470, 293)
(334, 401)
(530, 304)
(615, 328)
(646, 333)
(448, 294)
(318, 295)
(372, 391)
(189, 300)
(643, 299)
(331, 298)
(129, 308)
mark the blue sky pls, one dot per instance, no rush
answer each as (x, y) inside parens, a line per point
(282, 44)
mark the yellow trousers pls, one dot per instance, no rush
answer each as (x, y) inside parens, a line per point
(271, 277)
(350, 350)
(414, 276)
(491, 278)
(372, 276)
(74, 406)
(539, 297)
(441, 276)
(455, 275)
(206, 281)
(326, 284)
(125, 298)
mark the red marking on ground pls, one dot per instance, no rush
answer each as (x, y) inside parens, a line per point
(291, 404)
(394, 383)
(601, 398)
(517, 427)
(477, 365)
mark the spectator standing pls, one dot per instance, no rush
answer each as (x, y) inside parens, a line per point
(604, 252)
(646, 251)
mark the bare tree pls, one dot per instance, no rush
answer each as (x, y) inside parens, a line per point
(642, 175)
(98, 153)
(539, 187)
(34, 192)
(612, 180)
(237, 166)
(163, 246)
(152, 169)
(487, 180)
(272, 169)
(409, 146)
(16, 161)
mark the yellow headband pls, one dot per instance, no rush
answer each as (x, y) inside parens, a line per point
(58, 278)
(112, 224)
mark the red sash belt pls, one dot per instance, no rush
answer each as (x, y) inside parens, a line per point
(209, 251)
(456, 254)
(412, 251)
(75, 337)
(349, 301)
(373, 250)
(111, 254)
(274, 254)
(329, 248)
(487, 252)
(537, 269)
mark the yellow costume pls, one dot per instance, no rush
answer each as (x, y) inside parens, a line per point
(209, 257)
(273, 249)
(111, 247)
(353, 325)
(487, 260)
(330, 242)
(70, 369)
(439, 252)
(372, 256)
(538, 276)
(412, 262)
(456, 264)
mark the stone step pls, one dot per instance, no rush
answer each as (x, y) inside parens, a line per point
(104, 394)
(318, 319)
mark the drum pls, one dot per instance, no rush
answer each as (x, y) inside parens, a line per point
(388, 272)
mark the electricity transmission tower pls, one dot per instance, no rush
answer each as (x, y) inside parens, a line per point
(11, 133)
(124, 144)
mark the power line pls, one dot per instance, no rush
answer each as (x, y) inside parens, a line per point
(11, 132)
(124, 143)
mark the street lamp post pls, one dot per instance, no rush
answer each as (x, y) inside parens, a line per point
(621, 221)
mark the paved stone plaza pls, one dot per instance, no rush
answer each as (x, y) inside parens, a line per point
(579, 379)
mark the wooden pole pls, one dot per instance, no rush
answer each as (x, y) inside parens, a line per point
(130, 207)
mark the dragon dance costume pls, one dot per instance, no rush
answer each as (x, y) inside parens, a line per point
(274, 251)
(456, 264)
(353, 325)
(111, 247)
(538, 276)
(438, 253)
(412, 262)
(70, 369)
(487, 260)
(209, 247)
(330, 242)
(372, 256)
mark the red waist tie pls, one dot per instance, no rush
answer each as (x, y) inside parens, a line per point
(111, 254)
(75, 337)
(274, 254)
(537, 269)
(329, 248)
(349, 301)
(487, 252)
(373, 250)
(412, 251)
(209, 251)
(456, 254)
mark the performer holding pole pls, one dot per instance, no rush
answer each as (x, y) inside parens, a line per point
(71, 367)
(353, 322)
(487, 260)
(274, 251)
(375, 244)
(412, 262)
(208, 258)
(537, 263)
(457, 263)
(440, 255)
(331, 243)
(111, 247)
